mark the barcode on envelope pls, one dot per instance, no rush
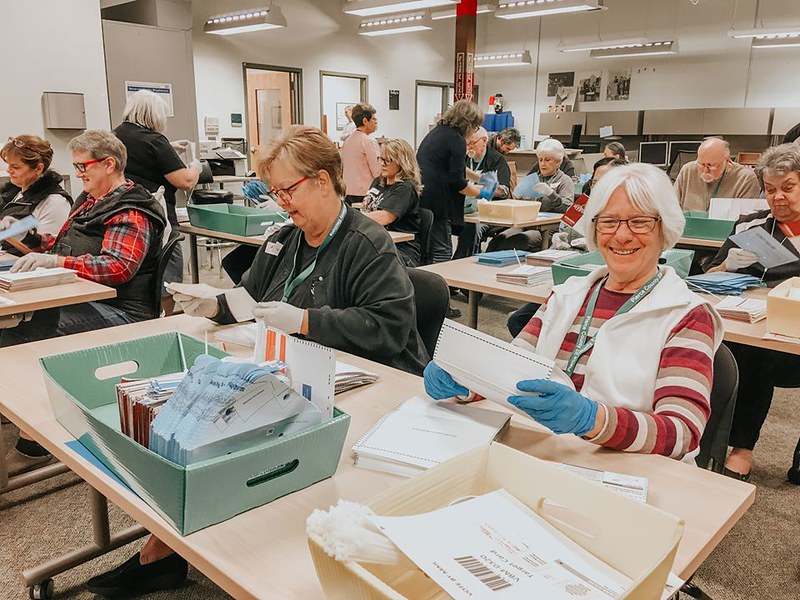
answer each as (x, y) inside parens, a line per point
(483, 573)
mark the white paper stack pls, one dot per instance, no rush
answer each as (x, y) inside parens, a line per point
(549, 256)
(349, 377)
(527, 275)
(421, 433)
(749, 310)
(30, 280)
(631, 486)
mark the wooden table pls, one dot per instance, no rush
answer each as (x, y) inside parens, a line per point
(263, 552)
(699, 243)
(28, 301)
(476, 279)
(540, 221)
(250, 240)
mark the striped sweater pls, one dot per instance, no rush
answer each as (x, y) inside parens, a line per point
(681, 404)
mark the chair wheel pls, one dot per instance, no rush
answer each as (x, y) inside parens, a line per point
(42, 591)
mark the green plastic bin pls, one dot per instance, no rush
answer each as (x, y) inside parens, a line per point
(204, 493)
(583, 264)
(230, 218)
(699, 226)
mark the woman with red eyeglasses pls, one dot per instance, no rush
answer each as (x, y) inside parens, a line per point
(33, 189)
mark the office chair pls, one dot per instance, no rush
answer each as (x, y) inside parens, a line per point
(163, 259)
(431, 300)
(681, 158)
(425, 226)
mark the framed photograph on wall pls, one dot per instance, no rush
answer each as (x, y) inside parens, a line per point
(559, 80)
(589, 87)
(619, 84)
(341, 118)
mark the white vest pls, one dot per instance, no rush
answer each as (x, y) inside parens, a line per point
(623, 366)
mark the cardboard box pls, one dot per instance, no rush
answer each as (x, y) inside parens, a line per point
(203, 493)
(783, 308)
(636, 539)
(699, 226)
(583, 264)
(512, 211)
(230, 218)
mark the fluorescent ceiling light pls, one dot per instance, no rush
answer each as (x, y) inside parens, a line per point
(539, 8)
(765, 33)
(647, 49)
(788, 41)
(371, 8)
(503, 59)
(604, 45)
(244, 21)
(450, 13)
(391, 24)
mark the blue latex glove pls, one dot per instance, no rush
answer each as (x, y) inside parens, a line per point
(488, 183)
(487, 193)
(439, 384)
(556, 407)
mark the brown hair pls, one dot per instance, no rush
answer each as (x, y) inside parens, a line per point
(308, 151)
(362, 111)
(400, 153)
(30, 149)
(464, 115)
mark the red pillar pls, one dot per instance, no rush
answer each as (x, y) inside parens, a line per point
(464, 77)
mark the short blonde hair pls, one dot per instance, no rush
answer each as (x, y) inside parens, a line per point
(400, 153)
(464, 115)
(551, 147)
(146, 109)
(649, 190)
(308, 151)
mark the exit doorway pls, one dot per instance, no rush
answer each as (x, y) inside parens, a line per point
(273, 102)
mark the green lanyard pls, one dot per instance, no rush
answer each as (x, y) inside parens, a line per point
(719, 183)
(291, 283)
(583, 345)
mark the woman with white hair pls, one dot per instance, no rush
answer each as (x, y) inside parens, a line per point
(631, 312)
(154, 163)
(555, 186)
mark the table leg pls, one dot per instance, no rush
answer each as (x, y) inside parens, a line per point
(547, 233)
(194, 268)
(472, 308)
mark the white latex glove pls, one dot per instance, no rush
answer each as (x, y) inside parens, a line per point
(197, 165)
(739, 259)
(33, 261)
(543, 189)
(7, 222)
(560, 241)
(280, 315)
(196, 299)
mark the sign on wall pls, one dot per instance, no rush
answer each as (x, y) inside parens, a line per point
(619, 84)
(162, 90)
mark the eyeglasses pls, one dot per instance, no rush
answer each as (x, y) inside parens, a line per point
(285, 194)
(385, 161)
(636, 224)
(81, 167)
(711, 166)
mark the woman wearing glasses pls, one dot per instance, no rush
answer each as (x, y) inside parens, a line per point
(636, 343)
(393, 198)
(33, 189)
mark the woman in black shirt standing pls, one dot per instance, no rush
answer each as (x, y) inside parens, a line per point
(393, 198)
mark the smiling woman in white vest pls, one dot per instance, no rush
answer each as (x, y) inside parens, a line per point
(631, 338)
(113, 237)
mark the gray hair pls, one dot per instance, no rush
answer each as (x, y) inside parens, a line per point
(649, 190)
(100, 144)
(778, 160)
(146, 109)
(480, 133)
(510, 135)
(551, 147)
(464, 115)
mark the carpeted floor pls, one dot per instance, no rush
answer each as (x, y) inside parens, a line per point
(759, 559)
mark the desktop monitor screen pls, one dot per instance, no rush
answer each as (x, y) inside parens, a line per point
(675, 147)
(654, 153)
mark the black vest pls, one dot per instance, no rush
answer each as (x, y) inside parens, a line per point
(49, 183)
(85, 236)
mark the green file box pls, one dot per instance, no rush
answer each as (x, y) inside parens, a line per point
(699, 226)
(583, 264)
(230, 218)
(201, 494)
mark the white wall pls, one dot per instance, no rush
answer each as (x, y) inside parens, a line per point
(319, 36)
(51, 46)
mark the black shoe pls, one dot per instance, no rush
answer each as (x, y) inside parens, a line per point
(734, 475)
(453, 313)
(133, 579)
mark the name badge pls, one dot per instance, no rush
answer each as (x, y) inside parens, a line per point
(273, 248)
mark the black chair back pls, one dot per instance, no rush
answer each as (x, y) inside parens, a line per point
(425, 226)
(431, 298)
(714, 443)
(163, 259)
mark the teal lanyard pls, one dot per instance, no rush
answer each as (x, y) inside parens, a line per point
(583, 344)
(719, 183)
(292, 283)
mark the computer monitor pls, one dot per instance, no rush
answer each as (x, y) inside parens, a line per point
(654, 153)
(675, 147)
(590, 147)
